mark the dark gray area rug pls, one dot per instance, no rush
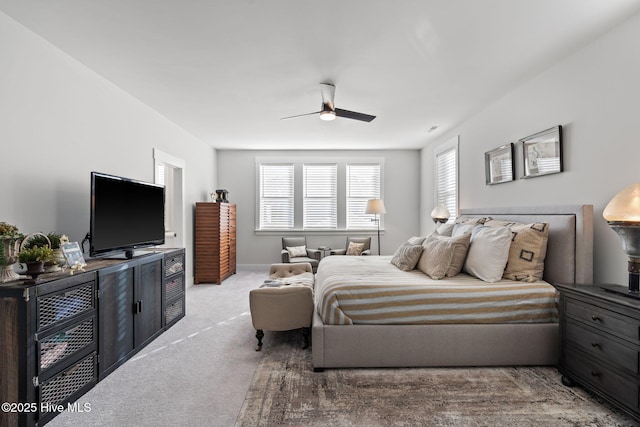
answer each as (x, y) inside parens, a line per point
(286, 391)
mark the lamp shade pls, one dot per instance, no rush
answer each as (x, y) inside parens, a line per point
(625, 206)
(375, 206)
(440, 212)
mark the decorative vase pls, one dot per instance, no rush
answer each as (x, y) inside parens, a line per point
(35, 268)
(10, 250)
(56, 263)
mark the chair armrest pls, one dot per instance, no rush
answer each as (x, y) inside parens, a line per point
(314, 254)
(366, 252)
(285, 255)
(338, 252)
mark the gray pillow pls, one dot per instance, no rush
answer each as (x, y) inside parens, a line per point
(406, 256)
(443, 256)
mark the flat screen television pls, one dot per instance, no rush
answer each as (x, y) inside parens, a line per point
(126, 214)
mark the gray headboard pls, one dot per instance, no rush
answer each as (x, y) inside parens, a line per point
(569, 256)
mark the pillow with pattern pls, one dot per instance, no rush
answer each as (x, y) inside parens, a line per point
(528, 250)
(355, 248)
(297, 251)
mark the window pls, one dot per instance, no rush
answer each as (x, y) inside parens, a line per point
(446, 179)
(322, 194)
(320, 200)
(363, 183)
(276, 196)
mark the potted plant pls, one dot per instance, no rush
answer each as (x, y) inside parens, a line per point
(9, 244)
(54, 240)
(34, 258)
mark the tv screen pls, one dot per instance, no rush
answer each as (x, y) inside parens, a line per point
(125, 215)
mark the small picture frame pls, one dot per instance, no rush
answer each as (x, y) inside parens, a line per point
(499, 166)
(542, 153)
(73, 254)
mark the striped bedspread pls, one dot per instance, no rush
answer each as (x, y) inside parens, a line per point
(370, 290)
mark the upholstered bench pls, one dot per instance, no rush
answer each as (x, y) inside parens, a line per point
(284, 301)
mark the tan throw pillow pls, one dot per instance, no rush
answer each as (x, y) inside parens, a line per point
(406, 256)
(528, 250)
(355, 248)
(297, 251)
(443, 256)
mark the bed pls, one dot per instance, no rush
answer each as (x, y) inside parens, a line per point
(345, 342)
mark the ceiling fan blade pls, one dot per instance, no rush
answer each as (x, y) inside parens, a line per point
(300, 115)
(328, 92)
(354, 115)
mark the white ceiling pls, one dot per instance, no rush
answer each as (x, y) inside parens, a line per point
(228, 70)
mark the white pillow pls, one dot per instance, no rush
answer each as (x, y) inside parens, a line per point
(488, 253)
(297, 251)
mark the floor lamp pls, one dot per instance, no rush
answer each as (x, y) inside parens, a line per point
(376, 207)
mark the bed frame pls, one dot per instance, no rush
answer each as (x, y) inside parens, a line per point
(569, 259)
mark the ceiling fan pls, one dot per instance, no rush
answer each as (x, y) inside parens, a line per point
(329, 112)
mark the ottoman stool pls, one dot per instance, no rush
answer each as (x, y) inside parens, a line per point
(284, 301)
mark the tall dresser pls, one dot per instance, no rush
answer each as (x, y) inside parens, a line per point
(215, 242)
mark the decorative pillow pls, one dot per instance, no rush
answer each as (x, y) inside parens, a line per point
(443, 256)
(406, 256)
(355, 248)
(528, 250)
(472, 221)
(415, 240)
(297, 251)
(460, 229)
(488, 252)
(444, 229)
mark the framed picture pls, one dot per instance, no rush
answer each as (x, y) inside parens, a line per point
(542, 153)
(73, 254)
(498, 165)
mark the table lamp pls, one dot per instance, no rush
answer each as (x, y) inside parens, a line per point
(623, 215)
(440, 214)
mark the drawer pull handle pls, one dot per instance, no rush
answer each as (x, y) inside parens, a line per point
(595, 373)
(595, 318)
(595, 344)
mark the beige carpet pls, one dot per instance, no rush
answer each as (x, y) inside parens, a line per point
(286, 391)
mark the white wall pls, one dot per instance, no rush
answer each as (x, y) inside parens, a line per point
(60, 121)
(594, 95)
(236, 173)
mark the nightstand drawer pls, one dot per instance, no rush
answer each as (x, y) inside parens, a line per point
(603, 319)
(602, 347)
(621, 388)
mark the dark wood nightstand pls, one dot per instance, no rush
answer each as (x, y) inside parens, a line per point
(601, 343)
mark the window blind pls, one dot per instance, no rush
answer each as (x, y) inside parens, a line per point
(320, 194)
(447, 177)
(276, 196)
(363, 183)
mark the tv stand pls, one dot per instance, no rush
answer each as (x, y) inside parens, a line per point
(63, 334)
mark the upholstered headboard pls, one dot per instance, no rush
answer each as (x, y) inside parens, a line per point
(569, 256)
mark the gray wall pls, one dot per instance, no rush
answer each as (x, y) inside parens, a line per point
(594, 95)
(60, 120)
(236, 173)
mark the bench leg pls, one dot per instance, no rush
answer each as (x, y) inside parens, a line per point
(306, 332)
(259, 336)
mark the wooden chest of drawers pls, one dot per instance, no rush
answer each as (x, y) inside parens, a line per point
(601, 344)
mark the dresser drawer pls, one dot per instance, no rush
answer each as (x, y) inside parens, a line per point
(62, 387)
(173, 264)
(603, 319)
(620, 388)
(601, 346)
(59, 346)
(59, 306)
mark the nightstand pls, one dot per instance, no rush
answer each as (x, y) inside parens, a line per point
(601, 343)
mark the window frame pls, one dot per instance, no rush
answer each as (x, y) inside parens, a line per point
(298, 163)
(452, 144)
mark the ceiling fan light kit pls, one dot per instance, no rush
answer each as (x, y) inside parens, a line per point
(329, 112)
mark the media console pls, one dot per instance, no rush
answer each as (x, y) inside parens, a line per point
(63, 334)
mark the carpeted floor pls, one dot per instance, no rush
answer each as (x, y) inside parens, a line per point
(286, 391)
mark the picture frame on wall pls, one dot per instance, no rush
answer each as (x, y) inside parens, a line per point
(499, 166)
(542, 153)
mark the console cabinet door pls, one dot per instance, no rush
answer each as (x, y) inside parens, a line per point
(116, 338)
(148, 295)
